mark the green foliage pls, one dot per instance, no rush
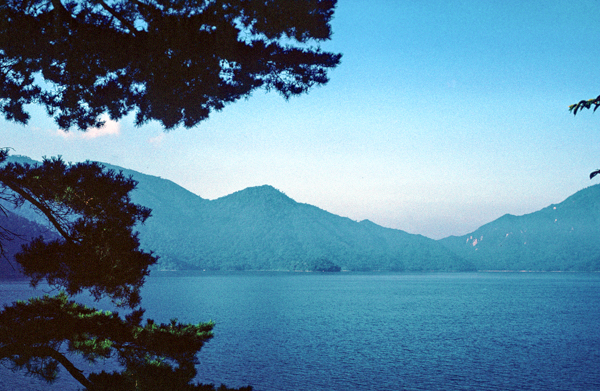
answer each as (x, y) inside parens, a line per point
(585, 104)
(169, 60)
(32, 334)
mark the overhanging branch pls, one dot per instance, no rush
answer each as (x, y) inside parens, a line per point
(46, 351)
(41, 207)
(120, 18)
(68, 365)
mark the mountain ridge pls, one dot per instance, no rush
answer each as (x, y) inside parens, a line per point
(261, 228)
(561, 236)
(19, 231)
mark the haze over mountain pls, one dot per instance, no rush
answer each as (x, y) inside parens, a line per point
(564, 236)
(260, 228)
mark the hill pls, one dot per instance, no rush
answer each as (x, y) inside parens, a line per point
(260, 228)
(565, 236)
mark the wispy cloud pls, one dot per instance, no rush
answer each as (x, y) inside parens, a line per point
(110, 128)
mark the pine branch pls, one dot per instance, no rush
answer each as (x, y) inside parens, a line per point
(120, 18)
(585, 104)
(68, 365)
(46, 351)
(59, 6)
(40, 206)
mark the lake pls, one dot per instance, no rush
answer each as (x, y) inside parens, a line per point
(380, 331)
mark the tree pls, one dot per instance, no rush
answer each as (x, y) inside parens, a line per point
(169, 60)
(97, 251)
(90, 209)
(586, 104)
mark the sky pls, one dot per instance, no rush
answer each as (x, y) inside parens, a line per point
(442, 117)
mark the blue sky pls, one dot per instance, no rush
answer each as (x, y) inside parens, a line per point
(443, 116)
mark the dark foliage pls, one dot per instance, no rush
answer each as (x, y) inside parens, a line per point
(325, 265)
(97, 251)
(36, 335)
(167, 60)
(91, 210)
(170, 61)
(587, 104)
(16, 231)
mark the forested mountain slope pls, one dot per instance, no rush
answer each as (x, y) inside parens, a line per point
(261, 228)
(565, 236)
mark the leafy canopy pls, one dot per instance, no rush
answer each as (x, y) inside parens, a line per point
(172, 61)
(169, 60)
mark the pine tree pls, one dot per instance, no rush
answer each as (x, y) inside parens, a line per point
(169, 60)
(587, 104)
(97, 251)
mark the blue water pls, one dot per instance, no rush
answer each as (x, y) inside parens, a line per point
(350, 331)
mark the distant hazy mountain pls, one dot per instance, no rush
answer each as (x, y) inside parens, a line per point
(261, 228)
(564, 237)
(24, 230)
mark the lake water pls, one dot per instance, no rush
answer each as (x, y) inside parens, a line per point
(380, 331)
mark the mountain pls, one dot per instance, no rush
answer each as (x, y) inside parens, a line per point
(260, 228)
(175, 214)
(565, 236)
(20, 231)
